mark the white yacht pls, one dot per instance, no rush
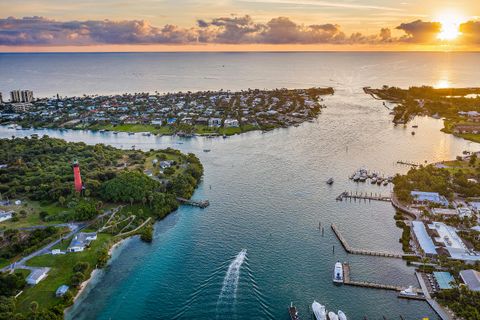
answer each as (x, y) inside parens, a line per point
(341, 315)
(338, 272)
(408, 292)
(332, 316)
(319, 311)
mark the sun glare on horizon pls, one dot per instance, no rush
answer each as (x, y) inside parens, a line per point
(450, 27)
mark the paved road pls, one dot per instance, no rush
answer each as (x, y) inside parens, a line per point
(75, 228)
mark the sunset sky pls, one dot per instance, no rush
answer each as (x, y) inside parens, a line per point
(183, 25)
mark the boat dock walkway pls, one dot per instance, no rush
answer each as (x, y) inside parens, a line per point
(434, 304)
(363, 196)
(200, 203)
(347, 280)
(409, 163)
(349, 249)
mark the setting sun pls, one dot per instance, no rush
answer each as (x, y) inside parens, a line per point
(450, 27)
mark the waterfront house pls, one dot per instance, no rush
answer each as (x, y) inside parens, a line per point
(471, 278)
(428, 197)
(231, 123)
(166, 164)
(214, 122)
(6, 215)
(81, 241)
(475, 129)
(37, 275)
(61, 291)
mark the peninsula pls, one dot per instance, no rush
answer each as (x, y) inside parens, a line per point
(185, 114)
(459, 107)
(63, 205)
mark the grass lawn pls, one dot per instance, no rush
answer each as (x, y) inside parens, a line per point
(32, 218)
(135, 128)
(60, 273)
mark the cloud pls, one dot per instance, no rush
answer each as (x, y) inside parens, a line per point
(471, 32)
(419, 31)
(40, 31)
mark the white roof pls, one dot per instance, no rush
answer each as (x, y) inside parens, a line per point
(453, 243)
(471, 278)
(423, 238)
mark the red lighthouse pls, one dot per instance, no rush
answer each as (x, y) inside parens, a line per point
(77, 176)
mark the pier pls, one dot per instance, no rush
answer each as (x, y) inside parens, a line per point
(363, 196)
(196, 203)
(351, 250)
(374, 285)
(409, 163)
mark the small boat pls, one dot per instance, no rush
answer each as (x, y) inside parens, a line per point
(131, 133)
(379, 181)
(385, 182)
(415, 126)
(102, 130)
(338, 272)
(330, 181)
(408, 292)
(224, 136)
(319, 311)
(341, 315)
(332, 316)
(374, 180)
(413, 133)
(206, 150)
(146, 134)
(292, 311)
(115, 132)
(363, 178)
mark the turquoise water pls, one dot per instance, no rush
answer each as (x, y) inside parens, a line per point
(268, 195)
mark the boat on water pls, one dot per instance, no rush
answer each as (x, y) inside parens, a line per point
(332, 316)
(292, 311)
(115, 132)
(206, 150)
(131, 133)
(338, 272)
(319, 311)
(146, 134)
(374, 180)
(330, 181)
(415, 126)
(341, 315)
(413, 133)
(408, 292)
(379, 181)
(356, 177)
(385, 182)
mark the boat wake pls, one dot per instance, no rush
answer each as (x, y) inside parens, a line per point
(228, 294)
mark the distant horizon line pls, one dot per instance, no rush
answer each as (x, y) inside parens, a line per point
(247, 51)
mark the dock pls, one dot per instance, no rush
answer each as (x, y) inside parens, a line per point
(374, 285)
(363, 196)
(196, 203)
(351, 250)
(409, 163)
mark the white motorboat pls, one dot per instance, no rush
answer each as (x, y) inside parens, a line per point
(408, 292)
(338, 272)
(332, 316)
(319, 311)
(341, 315)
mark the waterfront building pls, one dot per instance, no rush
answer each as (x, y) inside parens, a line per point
(21, 96)
(231, 123)
(61, 291)
(471, 278)
(447, 238)
(214, 122)
(426, 197)
(422, 239)
(21, 106)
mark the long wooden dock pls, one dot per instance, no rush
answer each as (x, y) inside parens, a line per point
(351, 250)
(201, 203)
(409, 163)
(363, 196)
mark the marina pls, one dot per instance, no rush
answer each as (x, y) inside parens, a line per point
(362, 196)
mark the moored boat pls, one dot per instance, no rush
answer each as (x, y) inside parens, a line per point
(332, 316)
(341, 315)
(319, 311)
(408, 292)
(338, 272)
(330, 181)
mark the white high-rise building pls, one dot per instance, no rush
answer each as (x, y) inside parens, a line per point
(21, 96)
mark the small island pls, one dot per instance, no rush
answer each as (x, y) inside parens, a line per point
(64, 205)
(439, 212)
(459, 107)
(210, 113)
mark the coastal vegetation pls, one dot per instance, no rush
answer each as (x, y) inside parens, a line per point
(459, 107)
(124, 192)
